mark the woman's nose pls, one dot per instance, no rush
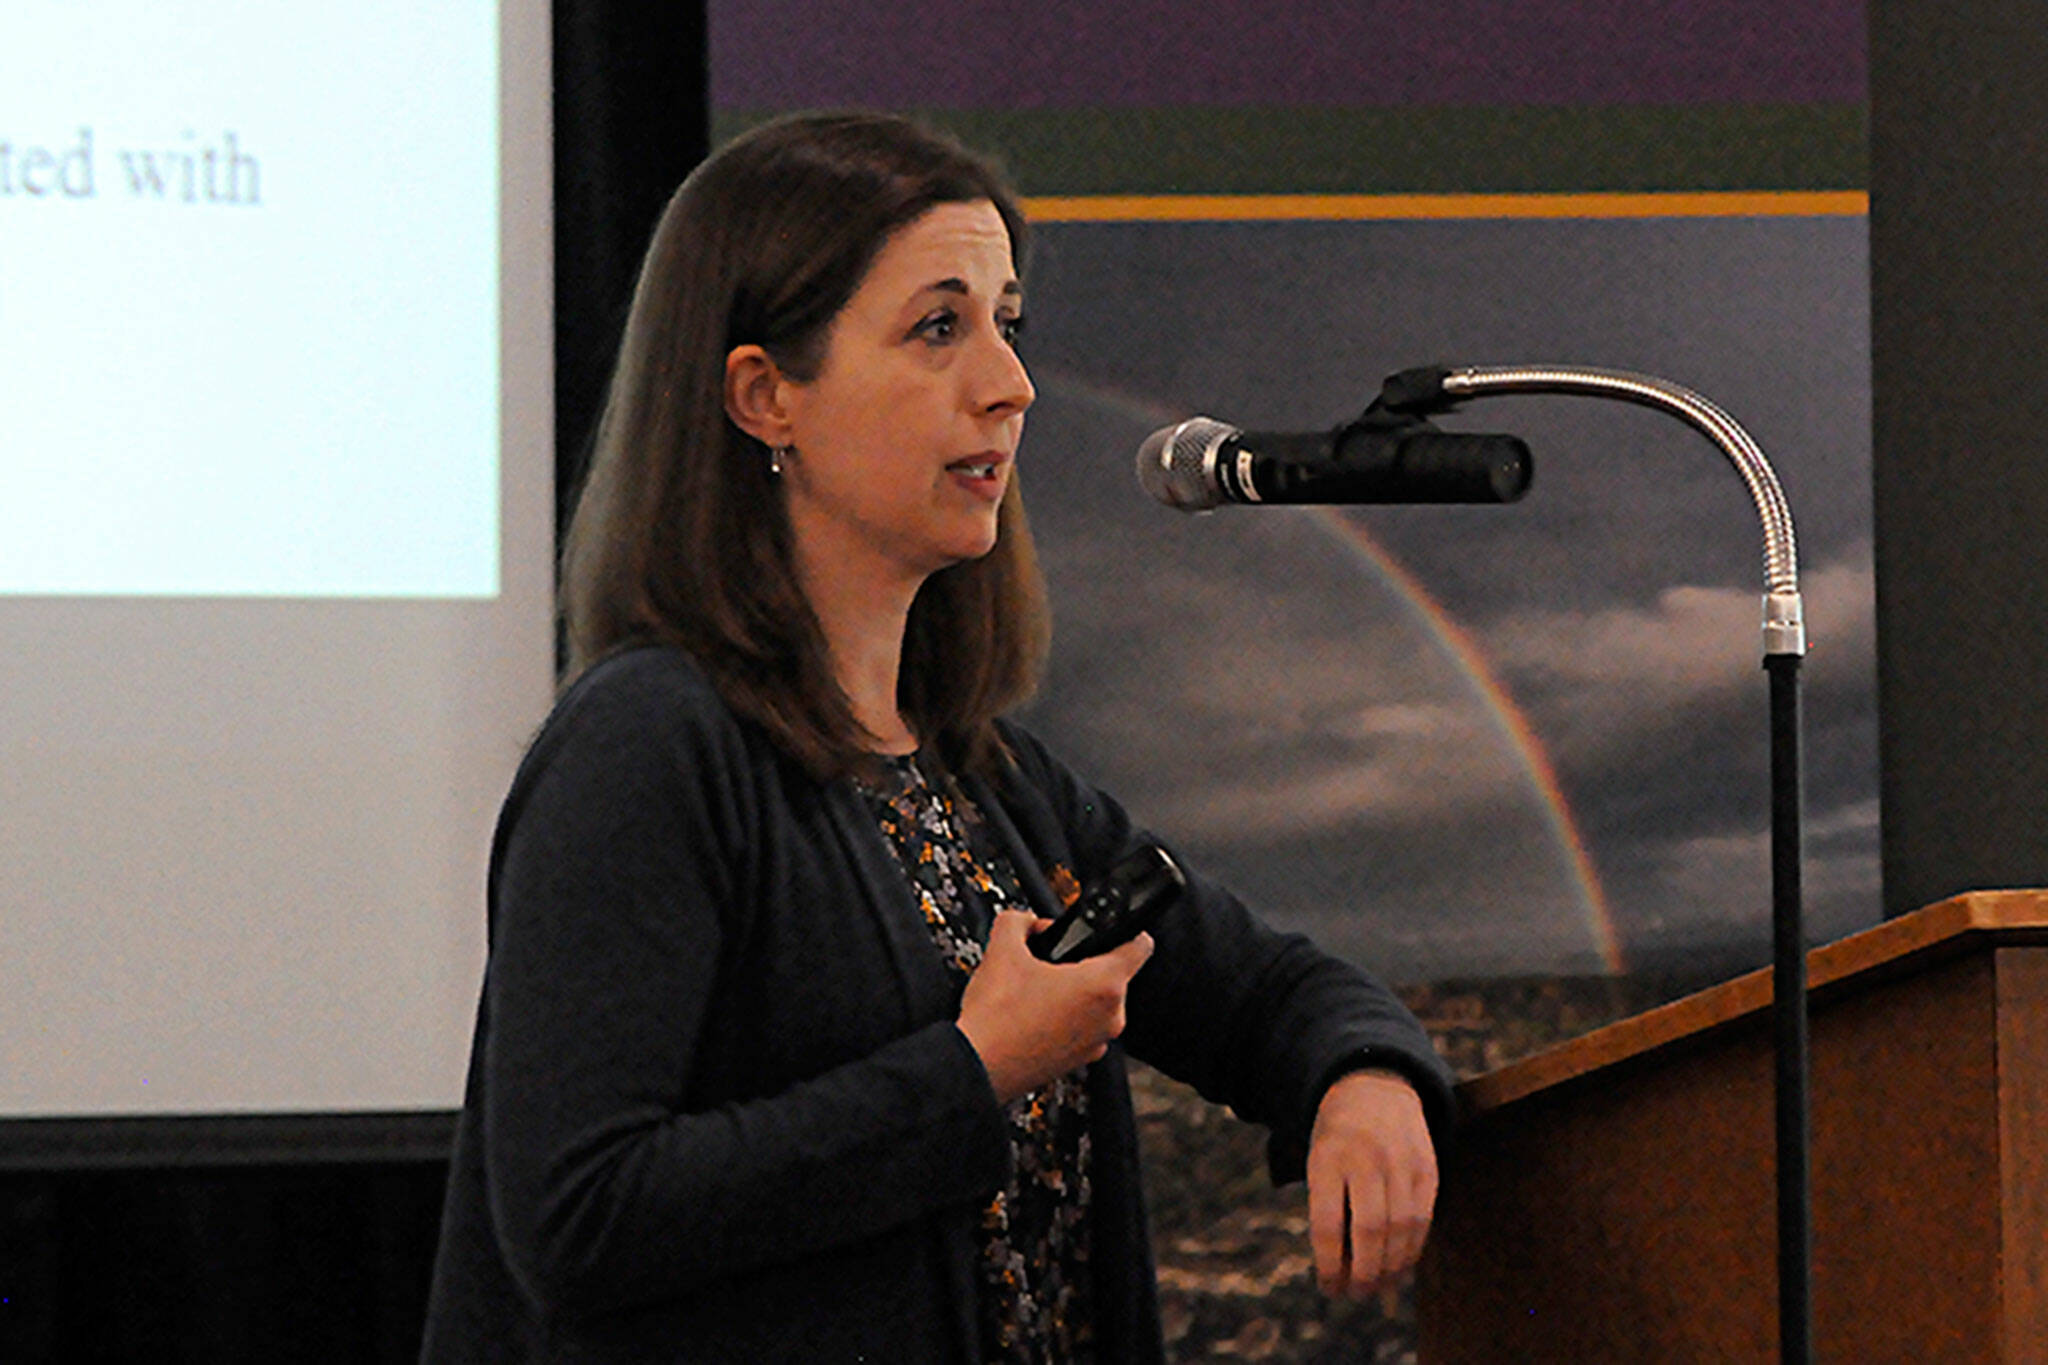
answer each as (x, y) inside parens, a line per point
(1003, 384)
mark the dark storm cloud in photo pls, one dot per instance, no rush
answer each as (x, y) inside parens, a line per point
(1256, 685)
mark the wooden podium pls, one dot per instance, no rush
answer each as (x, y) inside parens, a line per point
(1613, 1199)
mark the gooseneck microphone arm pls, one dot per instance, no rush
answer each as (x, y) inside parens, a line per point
(1420, 392)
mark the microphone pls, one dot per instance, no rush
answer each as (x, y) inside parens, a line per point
(1383, 457)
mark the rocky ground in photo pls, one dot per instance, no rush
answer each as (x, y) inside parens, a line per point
(1236, 1281)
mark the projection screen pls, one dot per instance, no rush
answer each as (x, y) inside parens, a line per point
(275, 542)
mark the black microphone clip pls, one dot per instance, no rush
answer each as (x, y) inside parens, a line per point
(1416, 393)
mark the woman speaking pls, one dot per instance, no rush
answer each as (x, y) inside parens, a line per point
(765, 1067)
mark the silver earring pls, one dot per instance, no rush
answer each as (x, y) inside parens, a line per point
(775, 454)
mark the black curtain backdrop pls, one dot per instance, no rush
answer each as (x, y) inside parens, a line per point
(297, 1240)
(631, 119)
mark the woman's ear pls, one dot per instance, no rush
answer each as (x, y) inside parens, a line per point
(754, 389)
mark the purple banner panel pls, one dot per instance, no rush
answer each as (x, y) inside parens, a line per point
(987, 54)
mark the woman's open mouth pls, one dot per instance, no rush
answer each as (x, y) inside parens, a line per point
(982, 474)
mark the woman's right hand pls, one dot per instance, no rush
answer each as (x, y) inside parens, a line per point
(1030, 1020)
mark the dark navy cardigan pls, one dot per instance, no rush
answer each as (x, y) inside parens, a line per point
(718, 1108)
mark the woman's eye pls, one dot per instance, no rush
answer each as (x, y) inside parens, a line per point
(938, 326)
(1011, 328)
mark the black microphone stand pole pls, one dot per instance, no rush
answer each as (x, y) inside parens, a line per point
(1424, 391)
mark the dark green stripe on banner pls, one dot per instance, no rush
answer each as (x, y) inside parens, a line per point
(1426, 151)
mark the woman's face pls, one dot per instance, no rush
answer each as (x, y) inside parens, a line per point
(906, 439)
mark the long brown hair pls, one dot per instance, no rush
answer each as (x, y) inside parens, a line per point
(680, 534)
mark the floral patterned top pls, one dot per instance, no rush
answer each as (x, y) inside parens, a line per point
(1035, 1302)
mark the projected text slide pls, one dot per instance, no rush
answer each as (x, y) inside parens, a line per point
(248, 299)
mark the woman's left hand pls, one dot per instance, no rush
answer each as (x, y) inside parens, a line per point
(1371, 1182)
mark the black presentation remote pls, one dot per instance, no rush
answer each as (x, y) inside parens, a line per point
(1116, 909)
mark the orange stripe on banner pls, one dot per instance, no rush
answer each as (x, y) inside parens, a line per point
(1114, 208)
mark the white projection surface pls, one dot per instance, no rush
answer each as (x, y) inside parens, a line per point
(275, 541)
(248, 299)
